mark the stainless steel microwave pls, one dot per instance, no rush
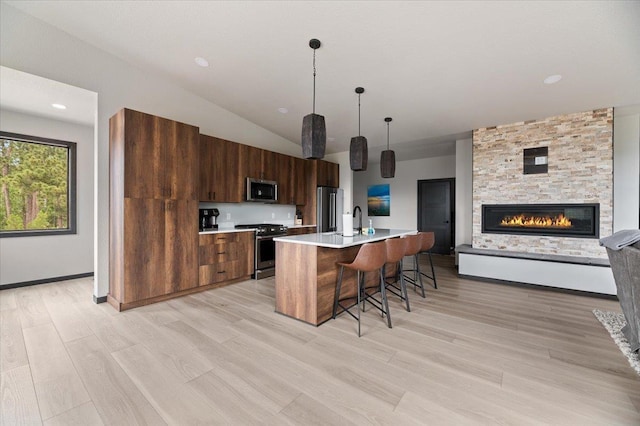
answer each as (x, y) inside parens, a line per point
(264, 191)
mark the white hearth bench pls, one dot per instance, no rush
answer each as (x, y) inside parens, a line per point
(568, 272)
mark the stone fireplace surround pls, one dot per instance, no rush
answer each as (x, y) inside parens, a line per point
(580, 170)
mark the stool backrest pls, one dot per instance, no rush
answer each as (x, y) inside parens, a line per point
(428, 240)
(413, 244)
(396, 248)
(370, 257)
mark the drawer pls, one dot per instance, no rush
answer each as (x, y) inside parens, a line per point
(226, 237)
(223, 252)
(219, 272)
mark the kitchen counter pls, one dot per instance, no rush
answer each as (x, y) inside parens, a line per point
(307, 271)
(333, 240)
(225, 230)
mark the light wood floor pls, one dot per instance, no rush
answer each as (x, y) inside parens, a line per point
(471, 352)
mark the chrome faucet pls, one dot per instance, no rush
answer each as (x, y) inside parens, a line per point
(357, 208)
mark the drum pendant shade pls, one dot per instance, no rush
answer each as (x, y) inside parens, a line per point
(314, 132)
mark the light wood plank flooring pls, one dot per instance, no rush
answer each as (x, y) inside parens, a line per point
(471, 352)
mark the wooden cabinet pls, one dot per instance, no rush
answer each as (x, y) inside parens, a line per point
(157, 154)
(291, 179)
(153, 244)
(221, 170)
(317, 173)
(301, 231)
(261, 164)
(328, 174)
(225, 257)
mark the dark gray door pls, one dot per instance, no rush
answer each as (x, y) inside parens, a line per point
(436, 211)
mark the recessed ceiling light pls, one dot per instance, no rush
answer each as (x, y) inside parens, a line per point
(201, 62)
(59, 106)
(283, 110)
(553, 79)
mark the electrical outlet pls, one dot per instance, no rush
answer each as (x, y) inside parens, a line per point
(228, 216)
(273, 215)
(288, 215)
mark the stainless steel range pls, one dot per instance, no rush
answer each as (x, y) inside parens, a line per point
(265, 247)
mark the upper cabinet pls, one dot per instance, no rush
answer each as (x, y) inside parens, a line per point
(154, 153)
(328, 174)
(261, 164)
(221, 170)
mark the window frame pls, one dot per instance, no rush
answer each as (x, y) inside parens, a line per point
(71, 186)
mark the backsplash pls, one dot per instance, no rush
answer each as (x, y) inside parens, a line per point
(232, 214)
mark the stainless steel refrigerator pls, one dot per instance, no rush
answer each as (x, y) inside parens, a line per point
(330, 204)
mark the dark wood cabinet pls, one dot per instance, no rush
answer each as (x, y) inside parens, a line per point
(221, 170)
(225, 257)
(154, 150)
(260, 163)
(301, 231)
(299, 186)
(153, 244)
(328, 174)
(317, 173)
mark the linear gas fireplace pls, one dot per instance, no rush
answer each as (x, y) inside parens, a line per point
(558, 220)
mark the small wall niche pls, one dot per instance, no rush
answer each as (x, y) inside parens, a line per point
(536, 160)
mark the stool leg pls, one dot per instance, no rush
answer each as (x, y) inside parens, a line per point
(419, 274)
(383, 294)
(403, 286)
(337, 296)
(359, 290)
(363, 289)
(433, 272)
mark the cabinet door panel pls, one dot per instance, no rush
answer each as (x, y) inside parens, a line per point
(143, 156)
(181, 245)
(181, 160)
(299, 181)
(144, 251)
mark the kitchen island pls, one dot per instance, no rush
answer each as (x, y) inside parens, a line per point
(307, 271)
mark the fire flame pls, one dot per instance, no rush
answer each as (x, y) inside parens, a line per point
(559, 221)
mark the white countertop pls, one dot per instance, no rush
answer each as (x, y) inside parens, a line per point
(226, 230)
(333, 240)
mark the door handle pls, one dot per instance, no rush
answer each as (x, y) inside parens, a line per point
(446, 221)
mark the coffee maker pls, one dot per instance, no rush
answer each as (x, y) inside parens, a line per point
(208, 219)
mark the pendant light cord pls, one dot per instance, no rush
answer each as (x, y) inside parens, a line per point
(387, 136)
(314, 81)
(359, 114)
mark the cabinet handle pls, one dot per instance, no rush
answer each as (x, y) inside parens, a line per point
(222, 252)
(222, 272)
(214, 195)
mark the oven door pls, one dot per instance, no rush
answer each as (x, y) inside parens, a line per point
(265, 252)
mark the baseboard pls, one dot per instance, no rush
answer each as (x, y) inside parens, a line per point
(98, 300)
(45, 281)
(541, 287)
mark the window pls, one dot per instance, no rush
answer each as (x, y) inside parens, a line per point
(37, 186)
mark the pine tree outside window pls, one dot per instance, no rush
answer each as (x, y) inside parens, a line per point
(37, 186)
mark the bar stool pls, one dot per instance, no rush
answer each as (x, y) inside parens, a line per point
(428, 241)
(396, 248)
(371, 257)
(414, 243)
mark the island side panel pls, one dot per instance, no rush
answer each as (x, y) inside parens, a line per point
(296, 281)
(328, 271)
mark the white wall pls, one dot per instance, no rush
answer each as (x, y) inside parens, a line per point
(33, 46)
(403, 189)
(626, 166)
(34, 258)
(464, 191)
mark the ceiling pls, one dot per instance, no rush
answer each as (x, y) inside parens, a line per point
(28, 93)
(439, 69)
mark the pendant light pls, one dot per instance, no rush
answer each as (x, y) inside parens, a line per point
(314, 132)
(388, 157)
(358, 150)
